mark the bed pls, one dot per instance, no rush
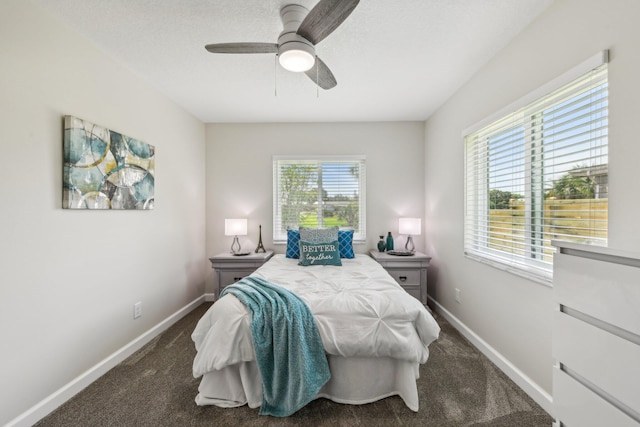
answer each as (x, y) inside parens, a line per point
(366, 321)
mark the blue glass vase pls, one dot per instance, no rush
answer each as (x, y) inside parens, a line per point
(389, 242)
(381, 244)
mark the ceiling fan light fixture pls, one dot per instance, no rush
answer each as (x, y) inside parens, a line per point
(296, 56)
(302, 30)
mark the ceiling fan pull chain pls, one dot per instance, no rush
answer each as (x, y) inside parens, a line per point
(317, 78)
(275, 76)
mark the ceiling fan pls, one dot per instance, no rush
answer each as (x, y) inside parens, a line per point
(296, 46)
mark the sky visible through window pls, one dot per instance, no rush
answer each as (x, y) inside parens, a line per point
(340, 179)
(569, 129)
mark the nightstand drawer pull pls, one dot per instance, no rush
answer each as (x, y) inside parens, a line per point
(406, 276)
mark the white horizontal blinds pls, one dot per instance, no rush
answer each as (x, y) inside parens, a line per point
(319, 192)
(295, 190)
(540, 173)
(340, 197)
(498, 168)
(574, 125)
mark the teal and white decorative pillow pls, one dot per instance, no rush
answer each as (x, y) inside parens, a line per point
(345, 241)
(319, 253)
(319, 235)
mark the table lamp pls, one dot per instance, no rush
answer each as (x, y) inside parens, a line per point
(235, 228)
(410, 226)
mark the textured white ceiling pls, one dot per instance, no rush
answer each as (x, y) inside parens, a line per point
(394, 60)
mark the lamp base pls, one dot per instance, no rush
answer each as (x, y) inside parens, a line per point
(409, 245)
(235, 246)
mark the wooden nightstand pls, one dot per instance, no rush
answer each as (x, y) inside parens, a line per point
(409, 271)
(230, 268)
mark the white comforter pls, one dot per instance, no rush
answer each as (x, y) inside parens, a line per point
(359, 309)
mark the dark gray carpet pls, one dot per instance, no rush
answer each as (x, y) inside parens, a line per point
(458, 386)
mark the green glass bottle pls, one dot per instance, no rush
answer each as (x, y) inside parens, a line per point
(381, 244)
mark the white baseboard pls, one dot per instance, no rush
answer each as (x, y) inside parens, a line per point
(540, 396)
(53, 401)
(209, 297)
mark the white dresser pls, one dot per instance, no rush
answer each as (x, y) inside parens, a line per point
(596, 336)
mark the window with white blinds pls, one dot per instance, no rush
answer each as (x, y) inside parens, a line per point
(539, 173)
(318, 192)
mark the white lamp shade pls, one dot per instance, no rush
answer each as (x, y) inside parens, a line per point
(235, 227)
(410, 226)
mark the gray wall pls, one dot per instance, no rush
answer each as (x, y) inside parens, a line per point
(510, 314)
(69, 279)
(239, 174)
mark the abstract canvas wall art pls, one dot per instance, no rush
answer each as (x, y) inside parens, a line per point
(104, 169)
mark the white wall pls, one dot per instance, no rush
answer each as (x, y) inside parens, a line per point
(69, 279)
(240, 169)
(512, 314)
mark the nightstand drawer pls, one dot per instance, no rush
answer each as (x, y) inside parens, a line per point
(413, 290)
(231, 268)
(410, 272)
(227, 277)
(405, 277)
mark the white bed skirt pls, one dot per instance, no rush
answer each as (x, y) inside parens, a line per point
(354, 380)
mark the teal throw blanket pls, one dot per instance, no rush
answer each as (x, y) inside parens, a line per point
(288, 347)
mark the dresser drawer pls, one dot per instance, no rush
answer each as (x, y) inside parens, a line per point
(576, 405)
(610, 365)
(405, 276)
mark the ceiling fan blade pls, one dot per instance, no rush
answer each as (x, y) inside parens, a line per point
(324, 18)
(242, 48)
(321, 75)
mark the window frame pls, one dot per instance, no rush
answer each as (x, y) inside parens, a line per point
(477, 191)
(279, 234)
